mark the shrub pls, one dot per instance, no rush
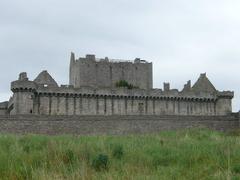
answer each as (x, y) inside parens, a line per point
(68, 157)
(235, 178)
(100, 162)
(123, 83)
(162, 157)
(26, 148)
(236, 169)
(118, 152)
(21, 171)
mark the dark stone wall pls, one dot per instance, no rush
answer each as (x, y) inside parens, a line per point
(116, 125)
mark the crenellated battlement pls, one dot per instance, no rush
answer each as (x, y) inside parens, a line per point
(92, 58)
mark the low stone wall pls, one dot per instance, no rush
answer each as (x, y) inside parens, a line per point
(116, 125)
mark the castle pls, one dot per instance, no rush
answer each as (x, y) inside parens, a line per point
(113, 87)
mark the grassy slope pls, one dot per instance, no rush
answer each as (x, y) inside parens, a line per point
(188, 154)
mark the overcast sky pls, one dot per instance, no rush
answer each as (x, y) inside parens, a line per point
(182, 38)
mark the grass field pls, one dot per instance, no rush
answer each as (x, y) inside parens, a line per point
(186, 154)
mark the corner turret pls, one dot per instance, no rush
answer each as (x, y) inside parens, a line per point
(23, 94)
(223, 104)
(23, 84)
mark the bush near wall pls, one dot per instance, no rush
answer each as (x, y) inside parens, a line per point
(123, 83)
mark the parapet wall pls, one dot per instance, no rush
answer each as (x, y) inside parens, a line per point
(115, 125)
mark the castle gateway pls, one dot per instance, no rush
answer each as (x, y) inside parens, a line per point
(113, 87)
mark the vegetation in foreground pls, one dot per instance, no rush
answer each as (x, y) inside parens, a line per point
(187, 154)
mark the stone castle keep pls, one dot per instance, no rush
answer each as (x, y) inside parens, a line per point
(113, 87)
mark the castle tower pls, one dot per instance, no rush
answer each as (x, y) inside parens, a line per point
(23, 95)
(106, 73)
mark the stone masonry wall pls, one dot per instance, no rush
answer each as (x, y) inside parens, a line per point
(3, 111)
(106, 105)
(116, 125)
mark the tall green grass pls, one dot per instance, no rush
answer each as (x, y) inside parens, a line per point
(185, 154)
